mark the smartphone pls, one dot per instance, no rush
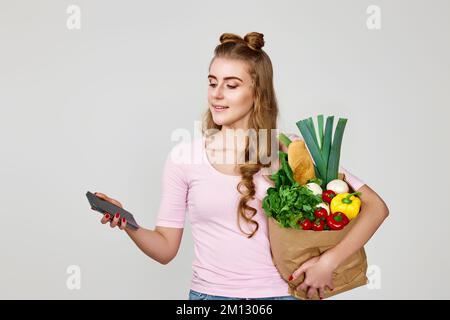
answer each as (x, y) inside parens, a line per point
(103, 206)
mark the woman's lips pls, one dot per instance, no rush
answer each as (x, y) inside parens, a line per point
(219, 108)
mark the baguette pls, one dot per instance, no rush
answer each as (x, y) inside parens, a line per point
(300, 162)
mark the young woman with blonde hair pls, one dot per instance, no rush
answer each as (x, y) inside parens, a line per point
(223, 200)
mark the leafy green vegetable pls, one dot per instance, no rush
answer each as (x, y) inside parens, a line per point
(284, 139)
(288, 202)
(284, 175)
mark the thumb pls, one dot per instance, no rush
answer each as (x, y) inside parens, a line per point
(106, 198)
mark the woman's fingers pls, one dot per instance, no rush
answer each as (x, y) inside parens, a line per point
(303, 286)
(311, 292)
(321, 293)
(115, 221)
(330, 286)
(105, 218)
(123, 224)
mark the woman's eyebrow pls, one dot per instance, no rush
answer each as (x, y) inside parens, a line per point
(226, 78)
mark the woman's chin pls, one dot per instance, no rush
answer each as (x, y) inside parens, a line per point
(221, 121)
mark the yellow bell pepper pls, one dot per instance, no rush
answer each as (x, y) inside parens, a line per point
(347, 203)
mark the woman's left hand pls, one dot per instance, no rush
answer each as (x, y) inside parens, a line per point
(318, 275)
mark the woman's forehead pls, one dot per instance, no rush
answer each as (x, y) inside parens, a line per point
(229, 68)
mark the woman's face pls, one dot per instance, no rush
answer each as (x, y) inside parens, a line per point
(230, 86)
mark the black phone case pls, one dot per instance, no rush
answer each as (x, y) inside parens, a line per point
(103, 206)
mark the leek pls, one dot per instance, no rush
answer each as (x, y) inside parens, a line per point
(325, 148)
(320, 121)
(333, 161)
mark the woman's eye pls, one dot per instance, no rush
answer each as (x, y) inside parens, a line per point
(213, 85)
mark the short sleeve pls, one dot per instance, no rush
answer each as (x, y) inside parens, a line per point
(354, 182)
(173, 205)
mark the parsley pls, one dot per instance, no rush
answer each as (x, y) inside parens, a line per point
(288, 202)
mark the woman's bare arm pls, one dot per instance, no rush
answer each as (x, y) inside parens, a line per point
(373, 212)
(161, 244)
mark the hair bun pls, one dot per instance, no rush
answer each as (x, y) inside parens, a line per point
(230, 37)
(254, 40)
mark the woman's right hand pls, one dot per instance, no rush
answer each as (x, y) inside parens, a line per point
(121, 223)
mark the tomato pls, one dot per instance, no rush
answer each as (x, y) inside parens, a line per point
(328, 195)
(318, 225)
(306, 224)
(321, 213)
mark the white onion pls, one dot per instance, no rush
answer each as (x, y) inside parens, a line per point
(315, 188)
(338, 186)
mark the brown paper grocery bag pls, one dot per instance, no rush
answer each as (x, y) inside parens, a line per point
(291, 247)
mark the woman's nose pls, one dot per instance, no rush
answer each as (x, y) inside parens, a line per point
(217, 92)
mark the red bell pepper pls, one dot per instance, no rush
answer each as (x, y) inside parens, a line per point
(345, 219)
(337, 221)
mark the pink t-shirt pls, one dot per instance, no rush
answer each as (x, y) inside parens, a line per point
(226, 262)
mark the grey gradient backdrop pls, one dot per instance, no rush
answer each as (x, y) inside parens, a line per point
(94, 109)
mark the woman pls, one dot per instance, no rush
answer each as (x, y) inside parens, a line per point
(229, 227)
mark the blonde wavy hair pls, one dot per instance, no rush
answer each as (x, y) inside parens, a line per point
(263, 114)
